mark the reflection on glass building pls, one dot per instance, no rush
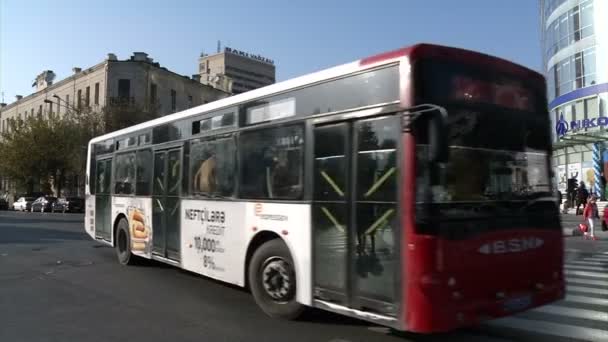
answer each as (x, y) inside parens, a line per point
(575, 59)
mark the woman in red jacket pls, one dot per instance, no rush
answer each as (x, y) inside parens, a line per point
(589, 215)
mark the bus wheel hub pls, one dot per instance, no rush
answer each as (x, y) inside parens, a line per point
(276, 279)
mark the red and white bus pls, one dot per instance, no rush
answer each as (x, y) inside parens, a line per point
(412, 189)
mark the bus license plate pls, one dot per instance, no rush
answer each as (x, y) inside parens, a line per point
(518, 303)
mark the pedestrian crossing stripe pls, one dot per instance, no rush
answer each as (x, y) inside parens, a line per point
(585, 268)
(586, 274)
(554, 329)
(558, 310)
(597, 263)
(585, 289)
(586, 300)
(586, 281)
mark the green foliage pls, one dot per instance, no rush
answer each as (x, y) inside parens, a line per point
(39, 149)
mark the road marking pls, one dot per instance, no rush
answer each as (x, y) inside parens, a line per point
(586, 300)
(587, 268)
(554, 329)
(596, 260)
(587, 263)
(586, 274)
(572, 312)
(586, 281)
(586, 290)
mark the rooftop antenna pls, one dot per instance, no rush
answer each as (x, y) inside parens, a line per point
(219, 46)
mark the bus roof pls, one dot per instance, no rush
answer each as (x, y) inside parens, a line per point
(412, 52)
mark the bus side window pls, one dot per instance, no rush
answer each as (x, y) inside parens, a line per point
(272, 163)
(213, 167)
(124, 179)
(144, 172)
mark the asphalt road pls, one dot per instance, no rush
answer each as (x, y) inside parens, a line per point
(56, 284)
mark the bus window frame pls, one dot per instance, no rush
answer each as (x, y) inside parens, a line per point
(150, 166)
(114, 166)
(104, 158)
(308, 120)
(233, 135)
(270, 126)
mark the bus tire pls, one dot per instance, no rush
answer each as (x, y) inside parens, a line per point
(123, 244)
(272, 280)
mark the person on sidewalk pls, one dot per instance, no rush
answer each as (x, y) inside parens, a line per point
(590, 213)
(582, 195)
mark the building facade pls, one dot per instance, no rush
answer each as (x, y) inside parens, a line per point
(138, 81)
(575, 61)
(243, 70)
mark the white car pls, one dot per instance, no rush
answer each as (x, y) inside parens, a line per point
(23, 204)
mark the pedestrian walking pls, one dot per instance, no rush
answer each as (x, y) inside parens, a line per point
(590, 213)
(582, 195)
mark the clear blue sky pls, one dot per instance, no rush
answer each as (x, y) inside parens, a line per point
(301, 36)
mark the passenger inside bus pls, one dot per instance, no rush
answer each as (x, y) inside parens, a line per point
(204, 179)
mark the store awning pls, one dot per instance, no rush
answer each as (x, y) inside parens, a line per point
(579, 138)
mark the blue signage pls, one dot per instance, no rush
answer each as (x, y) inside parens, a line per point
(562, 127)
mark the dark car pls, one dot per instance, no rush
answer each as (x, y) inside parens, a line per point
(69, 204)
(3, 203)
(43, 204)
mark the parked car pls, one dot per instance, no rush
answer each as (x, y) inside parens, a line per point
(43, 204)
(69, 204)
(23, 204)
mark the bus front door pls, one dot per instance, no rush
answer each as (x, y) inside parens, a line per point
(355, 221)
(165, 203)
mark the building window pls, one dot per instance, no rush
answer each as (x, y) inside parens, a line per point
(572, 73)
(79, 105)
(40, 111)
(173, 100)
(189, 101)
(124, 88)
(153, 90)
(50, 109)
(570, 27)
(97, 93)
(87, 98)
(67, 100)
(32, 113)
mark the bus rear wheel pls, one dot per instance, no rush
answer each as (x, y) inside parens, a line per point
(123, 244)
(272, 279)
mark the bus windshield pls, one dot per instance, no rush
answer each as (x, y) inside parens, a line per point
(499, 144)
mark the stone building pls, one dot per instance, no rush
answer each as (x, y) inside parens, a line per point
(137, 80)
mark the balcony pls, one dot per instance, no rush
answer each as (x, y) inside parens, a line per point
(122, 101)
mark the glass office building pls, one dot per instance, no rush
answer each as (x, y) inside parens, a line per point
(575, 61)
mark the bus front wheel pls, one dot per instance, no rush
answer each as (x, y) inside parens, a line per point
(272, 279)
(123, 243)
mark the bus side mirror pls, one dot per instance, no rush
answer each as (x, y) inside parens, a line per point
(438, 135)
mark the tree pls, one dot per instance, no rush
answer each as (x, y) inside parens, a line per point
(37, 150)
(48, 150)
